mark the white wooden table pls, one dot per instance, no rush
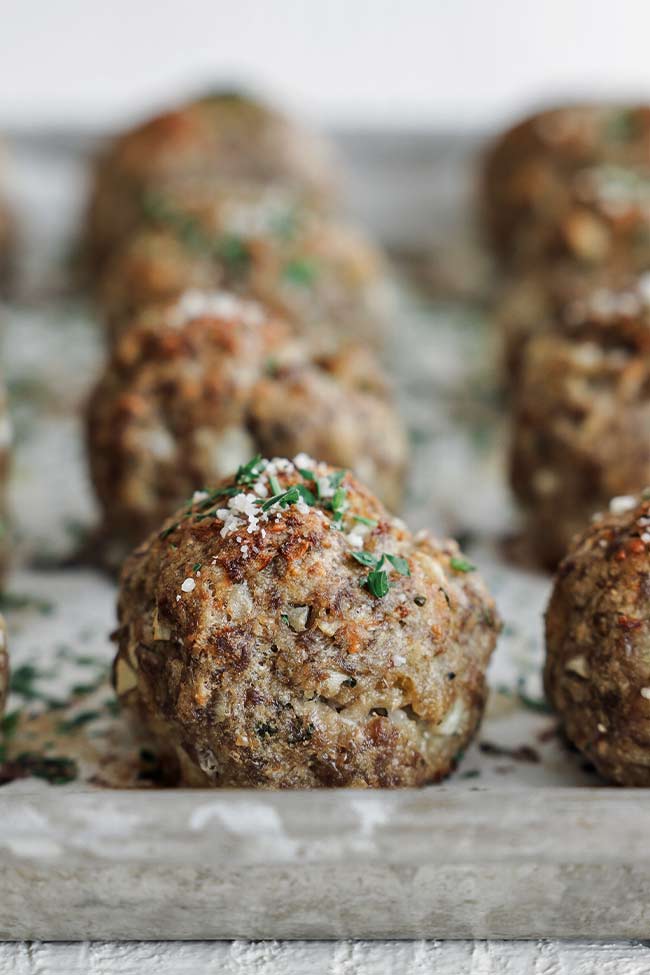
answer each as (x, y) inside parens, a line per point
(323, 958)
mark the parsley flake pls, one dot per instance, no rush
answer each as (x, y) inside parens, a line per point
(366, 558)
(399, 564)
(377, 583)
(461, 564)
(302, 272)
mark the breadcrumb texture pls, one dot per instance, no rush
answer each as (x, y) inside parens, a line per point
(581, 430)
(320, 273)
(597, 672)
(257, 657)
(193, 390)
(227, 135)
(571, 183)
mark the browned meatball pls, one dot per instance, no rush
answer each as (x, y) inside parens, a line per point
(582, 419)
(571, 182)
(195, 389)
(284, 631)
(597, 673)
(226, 135)
(321, 274)
(319, 407)
(562, 298)
(4, 666)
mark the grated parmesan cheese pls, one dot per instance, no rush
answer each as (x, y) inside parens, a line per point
(218, 304)
(622, 503)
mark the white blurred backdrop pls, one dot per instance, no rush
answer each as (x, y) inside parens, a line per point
(376, 62)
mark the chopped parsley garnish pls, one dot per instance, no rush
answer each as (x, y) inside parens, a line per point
(377, 583)
(399, 564)
(302, 272)
(197, 567)
(370, 522)
(366, 558)
(13, 600)
(189, 230)
(9, 723)
(248, 473)
(307, 496)
(461, 564)
(338, 503)
(290, 496)
(284, 618)
(56, 771)
(81, 719)
(23, 680)
(377, 579)
(233, 251)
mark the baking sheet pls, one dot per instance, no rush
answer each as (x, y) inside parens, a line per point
(60, 615)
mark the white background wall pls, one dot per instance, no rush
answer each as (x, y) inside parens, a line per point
(375, 61)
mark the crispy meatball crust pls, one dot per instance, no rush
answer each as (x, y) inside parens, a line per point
(597, 673)
(224, 135)
(334, 414)
(194, 390)
(257, 657)
(321, 274)
(530, 170)
(4, 666)
(570, 181)
(560, 300)
(581, 421)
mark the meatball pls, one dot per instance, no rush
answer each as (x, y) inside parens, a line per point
(570, 182)
(565, 297)
(225, 135)
(597, 673)
(285, 631)
(4, 666)
(321, 274)
(582, 419)
(194, 389)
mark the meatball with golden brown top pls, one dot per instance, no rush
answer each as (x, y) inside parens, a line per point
(226, 135)
(320, 274)
(597, 673)
(193, 390)
(284, 631)
(571, 182)
(581, 420)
